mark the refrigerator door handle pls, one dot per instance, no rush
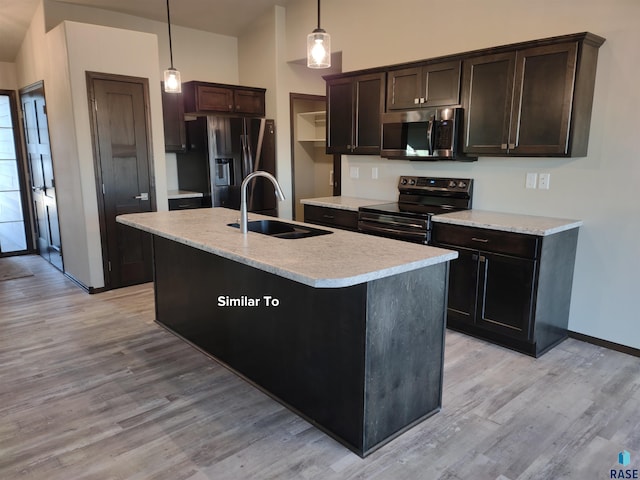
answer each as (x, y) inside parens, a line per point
(247, 161)
(256, 165)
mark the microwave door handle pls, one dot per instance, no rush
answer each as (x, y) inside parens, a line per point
(430, 135)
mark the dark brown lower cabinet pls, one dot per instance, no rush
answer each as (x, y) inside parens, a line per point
(493, 291)
(185, 203)
(331, 217)
(509, 288)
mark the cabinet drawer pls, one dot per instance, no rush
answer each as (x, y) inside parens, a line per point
(508, 243)
(332, 217)
(184, 203)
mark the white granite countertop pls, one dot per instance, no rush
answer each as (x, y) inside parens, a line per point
(508, 222)
(342, 203)
(337, 260)
(175, 194)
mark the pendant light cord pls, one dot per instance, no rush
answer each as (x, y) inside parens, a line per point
(318, 14)
(169, 24)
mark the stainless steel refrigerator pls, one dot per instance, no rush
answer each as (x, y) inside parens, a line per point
(237, 147)
(222, 151)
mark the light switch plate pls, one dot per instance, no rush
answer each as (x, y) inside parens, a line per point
(374, 173)
(532, 179)
(544, 181)
(354, 172)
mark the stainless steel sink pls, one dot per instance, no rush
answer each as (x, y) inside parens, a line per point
(276, 228)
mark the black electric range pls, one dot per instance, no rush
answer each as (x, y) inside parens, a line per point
(419, 199)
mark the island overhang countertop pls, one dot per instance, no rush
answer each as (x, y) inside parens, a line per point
(337, 260)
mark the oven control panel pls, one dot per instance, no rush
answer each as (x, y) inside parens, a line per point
(435, 184)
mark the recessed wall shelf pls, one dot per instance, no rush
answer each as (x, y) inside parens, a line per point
(311, 127)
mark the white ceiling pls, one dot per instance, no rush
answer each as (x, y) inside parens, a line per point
(226, 17)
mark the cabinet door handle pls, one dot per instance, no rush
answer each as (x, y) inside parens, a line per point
(480, 258)
(481, 240)
(512, 146)
(330, 217)
(503, 146)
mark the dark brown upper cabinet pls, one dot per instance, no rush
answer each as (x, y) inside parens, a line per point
(202, 98)
(354, 109)
(531, 98)
(488, 90)
(173, 117)
(534, 100)
(429, 85)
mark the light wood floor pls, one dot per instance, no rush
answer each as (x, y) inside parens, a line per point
(92, 388)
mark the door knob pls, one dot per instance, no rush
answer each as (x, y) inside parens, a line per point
(143, 196)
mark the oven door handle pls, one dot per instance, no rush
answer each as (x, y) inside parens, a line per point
(367, 227)
(386, 221)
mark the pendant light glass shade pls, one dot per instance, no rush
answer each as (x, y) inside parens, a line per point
(318, 47)
(172, 83)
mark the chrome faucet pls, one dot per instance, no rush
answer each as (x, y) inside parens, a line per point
(243, 195)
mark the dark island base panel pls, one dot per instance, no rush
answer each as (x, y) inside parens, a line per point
(363, 363)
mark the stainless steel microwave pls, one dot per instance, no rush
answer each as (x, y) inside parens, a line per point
(426, 134)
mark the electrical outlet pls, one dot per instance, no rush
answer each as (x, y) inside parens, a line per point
(545, 180)
(532, 179)
(354, 172)
(374, 173)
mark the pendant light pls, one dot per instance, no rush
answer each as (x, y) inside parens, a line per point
(172, 82)
(318, 47)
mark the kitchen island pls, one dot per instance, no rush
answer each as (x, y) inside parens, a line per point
(345, 329)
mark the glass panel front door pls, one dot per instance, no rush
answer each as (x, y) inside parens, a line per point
(12, 226)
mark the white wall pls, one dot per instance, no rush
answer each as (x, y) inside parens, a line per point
(601, 189)
(198, 55)
(8, 76)
(31, 62)
(77, 217)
